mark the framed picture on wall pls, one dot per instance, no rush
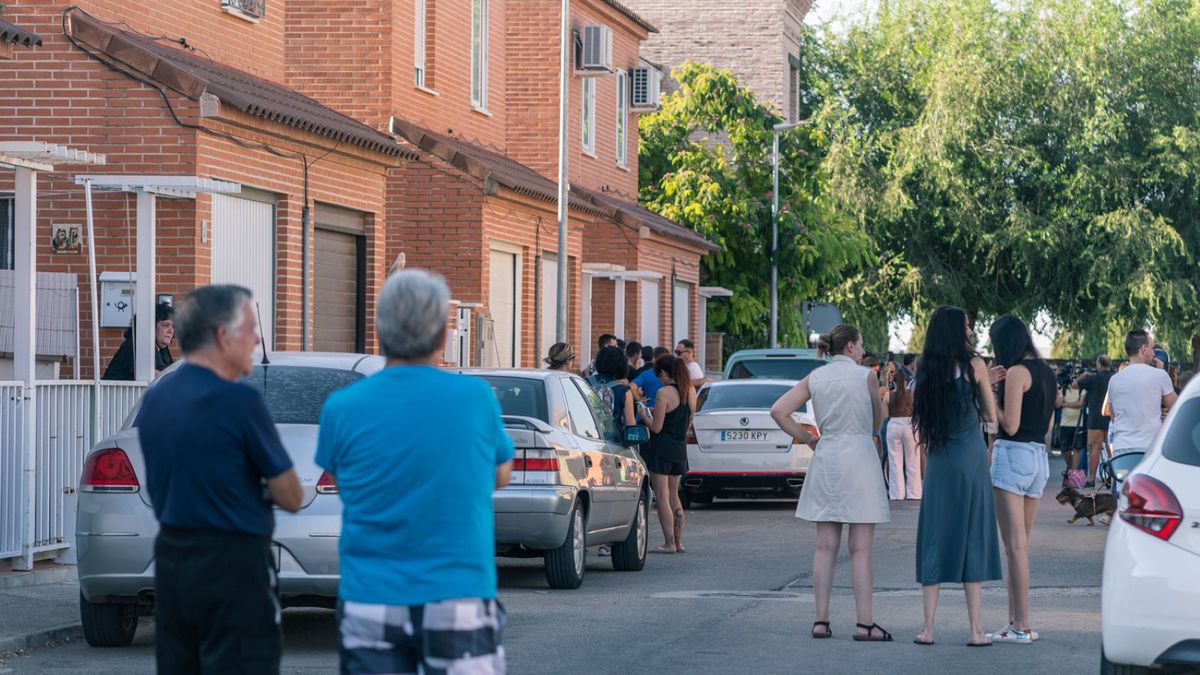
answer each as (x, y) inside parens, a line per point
(67, 239)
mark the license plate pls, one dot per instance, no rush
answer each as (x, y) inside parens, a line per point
(743, 435)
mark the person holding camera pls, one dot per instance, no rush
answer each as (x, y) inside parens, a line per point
(1095, 387)
(1071, 425)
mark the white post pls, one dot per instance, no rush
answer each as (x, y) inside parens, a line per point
(775, 240)
(92, 281)
(619, 308)
(564, 106)
(143, 338)
(702, 338)
(25, 349)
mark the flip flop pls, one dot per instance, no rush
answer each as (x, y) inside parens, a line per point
(918, 641)
(979, 644)
(663, 550)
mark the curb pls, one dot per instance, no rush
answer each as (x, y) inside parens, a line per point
(56, 574)
(41, 638)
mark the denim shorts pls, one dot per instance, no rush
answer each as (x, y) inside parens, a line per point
(1020, 467)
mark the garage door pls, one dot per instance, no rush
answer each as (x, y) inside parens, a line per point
(502, 303)
(336, 292)
(243, 250)
(682, 308)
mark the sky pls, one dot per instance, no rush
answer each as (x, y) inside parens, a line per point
(899, 332)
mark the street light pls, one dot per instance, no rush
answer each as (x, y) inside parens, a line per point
(777, 129)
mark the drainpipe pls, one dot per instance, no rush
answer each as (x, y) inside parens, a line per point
(305, 221)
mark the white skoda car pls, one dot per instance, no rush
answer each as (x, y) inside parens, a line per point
(1151, 594)
(735, 449)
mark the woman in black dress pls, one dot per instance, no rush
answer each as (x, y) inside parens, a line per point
(666, 453)
(956, 530)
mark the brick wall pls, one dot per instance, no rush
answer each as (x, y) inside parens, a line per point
(533, 95)
(752, 38)
(253, 47)
(57, 94)
(341, 55)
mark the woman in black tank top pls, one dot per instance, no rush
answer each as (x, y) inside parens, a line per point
(1020, 466)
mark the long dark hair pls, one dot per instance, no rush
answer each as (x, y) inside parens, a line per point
(901, 395)
(1011, 341)
(676, 368)
(947, 350)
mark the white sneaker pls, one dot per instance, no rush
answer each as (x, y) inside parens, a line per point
(1011, 635)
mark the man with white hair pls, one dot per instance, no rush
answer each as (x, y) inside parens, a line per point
(417, 452)
(210, 444)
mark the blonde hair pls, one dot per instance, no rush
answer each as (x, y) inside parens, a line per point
(834, 342)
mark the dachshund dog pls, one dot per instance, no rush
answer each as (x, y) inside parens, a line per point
(1088, 505)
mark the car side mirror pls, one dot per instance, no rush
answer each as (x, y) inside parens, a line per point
(636, 434)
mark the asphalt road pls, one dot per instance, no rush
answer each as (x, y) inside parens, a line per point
(737, 602)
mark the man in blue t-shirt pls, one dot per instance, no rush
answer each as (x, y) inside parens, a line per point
(214, 467)
(417, 453)
(647, 381)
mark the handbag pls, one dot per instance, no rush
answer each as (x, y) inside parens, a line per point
(1075, 479)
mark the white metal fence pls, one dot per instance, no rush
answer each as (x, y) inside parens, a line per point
(12, 463)
(70, 417)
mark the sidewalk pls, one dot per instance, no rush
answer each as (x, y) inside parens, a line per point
(38, 607)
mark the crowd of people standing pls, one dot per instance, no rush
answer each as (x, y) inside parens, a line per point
(976, 434)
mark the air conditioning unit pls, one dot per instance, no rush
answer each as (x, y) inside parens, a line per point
(595, 51)
(646, 84)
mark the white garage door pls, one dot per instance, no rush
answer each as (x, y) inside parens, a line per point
(502, 303)
(650, 317)
(682, 307)
(243, 251)
(549, 309)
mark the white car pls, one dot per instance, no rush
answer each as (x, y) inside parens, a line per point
(1151, 592)
(736, 449)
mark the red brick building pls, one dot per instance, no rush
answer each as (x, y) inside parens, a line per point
(426, 129)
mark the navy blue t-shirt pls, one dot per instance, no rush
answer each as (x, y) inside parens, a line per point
(208, 444)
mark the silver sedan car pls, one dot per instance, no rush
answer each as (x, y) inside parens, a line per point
(576, 480)
(115, 528)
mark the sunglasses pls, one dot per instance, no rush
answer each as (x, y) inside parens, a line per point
(681, 353)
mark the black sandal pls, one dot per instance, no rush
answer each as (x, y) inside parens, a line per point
(824, 636)
(870, 636)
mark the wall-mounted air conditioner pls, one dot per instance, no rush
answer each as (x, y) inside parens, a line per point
(594, 53)
(646, 84)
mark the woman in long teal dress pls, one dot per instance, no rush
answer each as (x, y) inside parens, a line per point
(956, 531)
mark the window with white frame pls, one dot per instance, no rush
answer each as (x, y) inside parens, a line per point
(589, 115)
(479, 53)
(622, 117)
(419, 13)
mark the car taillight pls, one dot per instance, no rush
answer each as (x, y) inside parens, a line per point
(108, 470)
(691, 436)
(327, 484)
(1150, 506)
(536, 467)
(810, 429)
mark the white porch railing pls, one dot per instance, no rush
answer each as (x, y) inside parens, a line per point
(71, 416)
(12, 463)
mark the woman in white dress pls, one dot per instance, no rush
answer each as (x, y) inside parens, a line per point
(844, 484)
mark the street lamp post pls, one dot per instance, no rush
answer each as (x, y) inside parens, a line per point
(777, 130)
(564, 106)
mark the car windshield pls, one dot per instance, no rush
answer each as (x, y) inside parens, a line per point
(295, 394)
(519, 396)
(1182, 442)
(740, 396)
(774, 368)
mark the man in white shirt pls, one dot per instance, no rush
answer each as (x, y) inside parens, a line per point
(1138, 395)
(686, 350)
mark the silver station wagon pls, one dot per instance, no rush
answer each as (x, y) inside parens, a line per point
(574, 485)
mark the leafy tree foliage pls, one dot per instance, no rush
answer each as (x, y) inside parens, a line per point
(705, 162)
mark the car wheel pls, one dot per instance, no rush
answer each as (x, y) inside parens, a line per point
(565, 565)
(107, 624)
(630, 555)
(1109, 668)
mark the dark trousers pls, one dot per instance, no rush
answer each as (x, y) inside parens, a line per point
(216, 605)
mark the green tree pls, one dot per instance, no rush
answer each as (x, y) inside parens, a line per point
(705, 162)
(1024, 157)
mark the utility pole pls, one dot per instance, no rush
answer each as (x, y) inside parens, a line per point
(564, 106)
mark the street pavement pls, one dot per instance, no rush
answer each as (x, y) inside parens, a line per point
(738, 601)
